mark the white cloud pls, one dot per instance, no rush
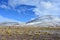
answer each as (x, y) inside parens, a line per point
(47, 5)
(4, 6)
(47, 8)
(18, 2)
(32, 19)
(3, 19)
(43, 7)
(50, 7)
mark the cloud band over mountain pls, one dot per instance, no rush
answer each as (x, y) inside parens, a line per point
(43, 7)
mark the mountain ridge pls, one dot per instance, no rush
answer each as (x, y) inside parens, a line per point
(45, 21)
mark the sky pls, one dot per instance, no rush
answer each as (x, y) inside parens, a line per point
(26, 10)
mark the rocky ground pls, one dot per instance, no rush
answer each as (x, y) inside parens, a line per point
(30, 37)
(29, 34)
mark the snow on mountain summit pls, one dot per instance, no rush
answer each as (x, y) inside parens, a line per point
(45, 21)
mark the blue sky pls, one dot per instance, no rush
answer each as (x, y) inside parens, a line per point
(26, 10)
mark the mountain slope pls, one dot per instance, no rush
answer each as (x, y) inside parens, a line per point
(45, 21)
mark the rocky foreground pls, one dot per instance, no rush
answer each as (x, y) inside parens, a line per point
(26, 33)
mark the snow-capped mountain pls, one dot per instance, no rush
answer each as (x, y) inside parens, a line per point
(11, 24)
(45, 21)
(8, 23)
